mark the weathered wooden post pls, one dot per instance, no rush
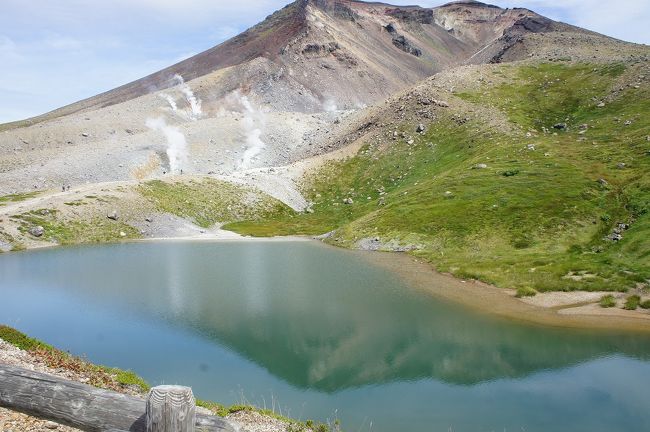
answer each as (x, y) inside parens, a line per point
(170, 409)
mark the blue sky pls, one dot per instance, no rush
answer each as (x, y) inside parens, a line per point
(57, 52)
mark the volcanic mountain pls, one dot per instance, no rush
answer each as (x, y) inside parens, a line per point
(351, 52)
(277, 86)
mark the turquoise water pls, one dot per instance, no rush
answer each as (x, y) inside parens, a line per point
(320, 333)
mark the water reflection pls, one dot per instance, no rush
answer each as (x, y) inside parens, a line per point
(317, 318)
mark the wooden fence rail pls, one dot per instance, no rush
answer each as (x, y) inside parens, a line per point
(95, 410)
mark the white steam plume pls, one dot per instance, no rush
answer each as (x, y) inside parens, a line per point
(170, 100)
(176, 145)
(329, 105)
(254, 120)
(254, 146)
(195, 103)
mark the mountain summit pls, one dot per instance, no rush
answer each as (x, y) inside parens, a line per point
(353, 52)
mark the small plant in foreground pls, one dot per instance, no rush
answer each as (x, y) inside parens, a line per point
(526, 292)
(632, 302)
(645, 304)
(20, 340)
(607, 301)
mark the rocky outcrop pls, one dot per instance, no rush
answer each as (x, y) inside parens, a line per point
(336, 8)
(412, 15)
(320, 49)
(405, 45)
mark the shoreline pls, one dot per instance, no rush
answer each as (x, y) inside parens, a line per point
(501, 302)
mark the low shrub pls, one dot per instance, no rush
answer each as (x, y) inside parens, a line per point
(632, 302)
(608, 301)
(526, 292)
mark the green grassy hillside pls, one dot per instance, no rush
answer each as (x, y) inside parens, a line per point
(525, 209)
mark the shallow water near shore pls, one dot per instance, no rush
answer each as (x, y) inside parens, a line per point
(321, 333)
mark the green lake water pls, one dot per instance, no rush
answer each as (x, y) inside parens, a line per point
(321, 333)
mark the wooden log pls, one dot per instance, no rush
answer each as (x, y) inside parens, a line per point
(81, 406)
(170, 409)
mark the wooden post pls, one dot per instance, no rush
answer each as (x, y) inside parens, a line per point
(82, 406)
(170, 409)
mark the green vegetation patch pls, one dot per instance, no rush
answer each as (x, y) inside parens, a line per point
(21, 340)
(8, 239)
(209, 201)
(293, 425)
(97, 230)
(547, 94)
(17, 197)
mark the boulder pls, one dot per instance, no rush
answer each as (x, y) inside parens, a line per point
(615, 237)
(37, 231)
(420, 128)
(113, 215)
(560, 126)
